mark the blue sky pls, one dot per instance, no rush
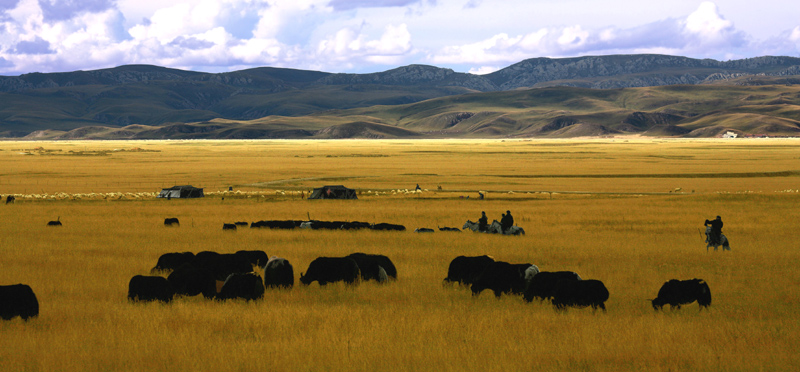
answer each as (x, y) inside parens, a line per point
(361, 36)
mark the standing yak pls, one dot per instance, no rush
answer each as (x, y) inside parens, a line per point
(580, 293)
(172, 261)
(681, 292)
(150, 288)
(501, 277)
(18, 300)
(543, 284)
(466, 270)
(326, 270)
(242, 285)
(374, 266)
(278, 273)
(190, 280)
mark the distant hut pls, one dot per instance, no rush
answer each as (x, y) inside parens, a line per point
(333, 192)
(181, 192)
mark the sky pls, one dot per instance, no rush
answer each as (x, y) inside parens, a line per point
(362, 36)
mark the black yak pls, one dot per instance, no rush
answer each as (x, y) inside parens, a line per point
(326, 270)
(681, 292)
(150, 288)
(18, 300)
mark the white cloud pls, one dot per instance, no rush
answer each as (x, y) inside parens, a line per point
(364, 36)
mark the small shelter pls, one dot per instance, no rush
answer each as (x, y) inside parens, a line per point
(333, 192)
(181, 192)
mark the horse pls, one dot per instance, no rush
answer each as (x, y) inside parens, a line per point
(497, 228)
(723, 241)
(470, 225)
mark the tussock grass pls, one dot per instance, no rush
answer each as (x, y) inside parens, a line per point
(632, 242)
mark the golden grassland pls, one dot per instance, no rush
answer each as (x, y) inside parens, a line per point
(607, 209)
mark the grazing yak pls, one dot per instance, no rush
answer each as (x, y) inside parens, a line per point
(248, 286)
(10, 199)
(454, 229)
(580, 293)
(256, 257)
(286, 225)
(423, 230)
(543, 284)
(229, 226)
(387, 227)
(501, 277)
(278, 273)
(681, 292)
(374, 266)
(465, 270)
(18, 300)
(222, 265)
(172, 261)
(150, 288)
(190, 280)
(171, 222)
(57, 222)
(326, 270)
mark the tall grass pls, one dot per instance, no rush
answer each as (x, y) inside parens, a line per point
(633, 243)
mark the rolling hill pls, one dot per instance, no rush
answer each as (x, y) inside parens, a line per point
(588, 96)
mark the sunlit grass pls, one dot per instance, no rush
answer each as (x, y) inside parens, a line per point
(632, 242)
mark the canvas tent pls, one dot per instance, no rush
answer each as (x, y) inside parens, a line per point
(333, 192)
(181, 192)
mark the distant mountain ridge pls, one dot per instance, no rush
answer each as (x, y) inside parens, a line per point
(154, 96)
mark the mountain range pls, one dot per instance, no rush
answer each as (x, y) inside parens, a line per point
(655, 95)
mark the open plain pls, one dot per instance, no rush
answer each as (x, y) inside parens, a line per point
(627, 211)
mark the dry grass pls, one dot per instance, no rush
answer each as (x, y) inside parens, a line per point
(633, 242)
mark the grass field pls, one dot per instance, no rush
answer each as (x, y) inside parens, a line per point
(627, 212)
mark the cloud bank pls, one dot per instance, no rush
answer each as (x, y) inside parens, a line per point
(365, 36)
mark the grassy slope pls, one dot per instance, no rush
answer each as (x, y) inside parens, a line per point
(695, 111)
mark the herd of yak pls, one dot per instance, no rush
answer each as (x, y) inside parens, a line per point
(224, 276)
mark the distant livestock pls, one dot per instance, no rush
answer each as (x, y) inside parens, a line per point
(453, 229)
(172, 261)
(543, 284)
(465, 270)
(501, 277)
(190, 280)
(18, 300)
(248, 286)
(229, 227)
(171, 222)
(288, 225)
(55, 223)
(580, 293)
(278, 273)
(10, 199)
(387, 227)
(423, 230)
(681, 292)
(150, 288)
(374, 266)
(326, 270)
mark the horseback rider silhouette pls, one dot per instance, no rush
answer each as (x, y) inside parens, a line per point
(716, 229)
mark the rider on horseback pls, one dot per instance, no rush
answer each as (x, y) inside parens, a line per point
(716, 229)
(483, 222)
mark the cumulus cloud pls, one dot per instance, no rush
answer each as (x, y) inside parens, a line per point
(348, 35)
(701, 33)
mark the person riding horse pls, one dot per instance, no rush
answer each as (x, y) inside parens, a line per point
(507, 221)
(483, 222)
(716, 229)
